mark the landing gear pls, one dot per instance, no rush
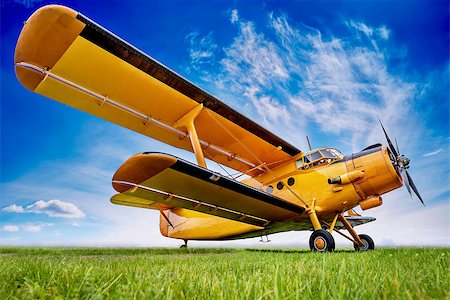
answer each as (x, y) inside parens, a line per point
(185, 245)
(321, 241)
(367, 243)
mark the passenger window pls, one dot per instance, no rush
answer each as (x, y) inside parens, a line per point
(326, 153)
(280, 185)
(270, 189)
(315, 155)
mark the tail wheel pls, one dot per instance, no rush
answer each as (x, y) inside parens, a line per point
(368, 243)
(321, 241)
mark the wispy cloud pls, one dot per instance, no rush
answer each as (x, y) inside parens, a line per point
(202, 51)
(28, 227)
(432, 153)
(10, 228)
(338, 83)
(53, 208)
(13, 208)
(234, 16)
(290, 76)
(381, 32)
(37, 227)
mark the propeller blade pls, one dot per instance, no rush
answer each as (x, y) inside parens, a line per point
(391, 146)
(413, 186)
(396, 145)
(406, 182)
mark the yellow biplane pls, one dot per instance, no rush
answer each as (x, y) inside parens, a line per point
(65, 56)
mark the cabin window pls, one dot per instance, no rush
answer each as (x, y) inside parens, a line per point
(280, 185)
(314, 156)
(270, 189)
(291, 181)
(327, 153)
(318, 157)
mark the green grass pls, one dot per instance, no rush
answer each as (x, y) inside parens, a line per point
(223, 274)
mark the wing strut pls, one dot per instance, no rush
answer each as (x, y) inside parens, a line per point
(102, 99)
(261, 163)
(187, 121)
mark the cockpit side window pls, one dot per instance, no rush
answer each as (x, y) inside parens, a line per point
(318, 157)
(299, 163)
(327, 153)
(315, 156)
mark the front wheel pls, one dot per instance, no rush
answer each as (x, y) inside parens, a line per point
(321, 241)
(367, 245)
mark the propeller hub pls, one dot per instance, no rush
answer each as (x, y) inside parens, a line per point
(403, 161)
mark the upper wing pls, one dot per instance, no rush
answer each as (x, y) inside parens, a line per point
(65, 56)
(156, 180)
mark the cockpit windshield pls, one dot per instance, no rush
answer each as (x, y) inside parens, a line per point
(319, 157)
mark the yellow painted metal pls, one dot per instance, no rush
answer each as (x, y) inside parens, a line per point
(351, 176)
(333, 223)
(371, 202)
(314, 219)
(130, 200)
(313, 216)
(89, 66)
(187, 121)
(96, 69)
(311, 182)
(350, 229)
(320, 243)
(353, 213)
(188, 224)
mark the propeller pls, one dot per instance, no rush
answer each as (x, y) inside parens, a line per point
(402, 162)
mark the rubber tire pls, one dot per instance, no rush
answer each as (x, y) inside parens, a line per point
(328, 238)
(365, 238)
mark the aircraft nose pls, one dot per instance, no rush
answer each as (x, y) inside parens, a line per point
(380, 173)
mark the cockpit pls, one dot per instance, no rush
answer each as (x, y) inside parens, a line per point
(319, 157)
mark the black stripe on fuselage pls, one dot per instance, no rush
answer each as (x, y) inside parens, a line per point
(193, 170)
(360, 154)
(123, 50)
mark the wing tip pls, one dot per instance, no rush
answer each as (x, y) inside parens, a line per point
(141, 167)
(44, 38)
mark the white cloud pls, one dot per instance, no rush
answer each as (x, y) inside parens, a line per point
(339, 84)
(234, 17)
(53, 208)
(432, 153)
(56, 208)
(37, 227)
(381, 32)
(202, 50)
(13, 208)
(10, 228)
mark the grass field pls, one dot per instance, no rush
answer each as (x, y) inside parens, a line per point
(223, 274)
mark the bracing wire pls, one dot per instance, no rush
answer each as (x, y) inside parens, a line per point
(261, 163)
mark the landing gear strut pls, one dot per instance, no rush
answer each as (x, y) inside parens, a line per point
(185, 245)
(361, 242)
(321, 241)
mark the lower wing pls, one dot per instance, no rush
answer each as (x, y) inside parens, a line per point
(161, 181)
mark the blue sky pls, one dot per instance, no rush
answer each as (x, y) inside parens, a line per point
(322, 68)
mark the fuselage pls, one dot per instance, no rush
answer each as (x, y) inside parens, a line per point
(335, 183)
